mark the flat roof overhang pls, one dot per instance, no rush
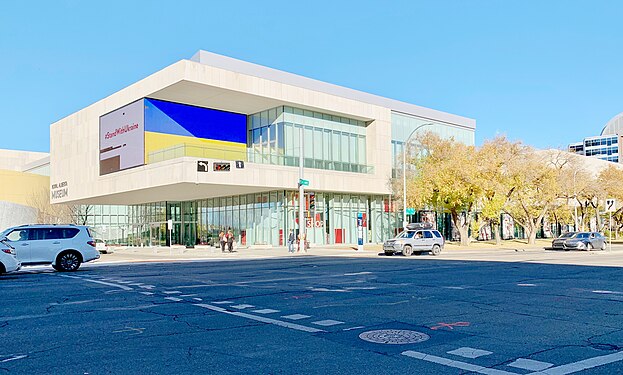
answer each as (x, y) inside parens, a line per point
(203, 95)
(178, 180)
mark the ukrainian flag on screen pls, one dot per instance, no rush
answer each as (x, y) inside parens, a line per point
(204, 132)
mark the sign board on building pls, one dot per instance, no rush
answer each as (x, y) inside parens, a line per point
(202, 166)
(221, 167)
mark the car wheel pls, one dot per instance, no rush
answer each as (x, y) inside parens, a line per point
(407, 251)
(603, 246)
(68, 261)
(436, 250)
(2, 269)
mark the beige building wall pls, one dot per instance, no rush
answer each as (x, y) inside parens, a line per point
(20, 187)
(74, 141)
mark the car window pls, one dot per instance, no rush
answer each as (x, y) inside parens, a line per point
(49, 233)
(409, 234)
(69, 232)
(437, 234)
(428, 234)
(18, 235)
(582, 235)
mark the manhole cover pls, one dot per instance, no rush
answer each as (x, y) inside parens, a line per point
(394, 336)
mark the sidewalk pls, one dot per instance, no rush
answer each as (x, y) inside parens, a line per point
(181, 253)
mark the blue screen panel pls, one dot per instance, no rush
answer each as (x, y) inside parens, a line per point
(187, 120)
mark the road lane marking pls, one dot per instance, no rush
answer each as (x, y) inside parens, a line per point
(296, 316)
(265, 311)
(242, 306)
(137, 331)
(327, 323)
(606, 292)
(261, 319)
(456, 364)
(147, 293)
(530, 364)
(172, 292)
(187, 295)
(13, 358)
(585, 364)
(467, 352)
(353, 328)
(75, 302)
(357, 273)
(173, 299)
(98, 282)
(222, 302)
(197, 299)
(526, 285)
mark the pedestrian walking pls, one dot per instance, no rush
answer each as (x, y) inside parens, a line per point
(230, 240)
(222, 240)
(291, 240)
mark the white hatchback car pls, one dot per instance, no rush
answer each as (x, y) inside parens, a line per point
(8, 261)
(65, 247)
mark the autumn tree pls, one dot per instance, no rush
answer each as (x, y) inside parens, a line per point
(447, 176)
(494, 157)
(610, 180)
(534, 187)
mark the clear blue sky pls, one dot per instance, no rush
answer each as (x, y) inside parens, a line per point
(544, 72)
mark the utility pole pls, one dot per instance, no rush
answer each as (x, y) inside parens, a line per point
(301, 192)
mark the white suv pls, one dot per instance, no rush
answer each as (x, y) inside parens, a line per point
(65, 247)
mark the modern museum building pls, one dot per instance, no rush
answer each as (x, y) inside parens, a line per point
(213, 143)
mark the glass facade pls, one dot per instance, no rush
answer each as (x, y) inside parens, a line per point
(604, 147)
(330, 142)
(261, 219)
(110, 223)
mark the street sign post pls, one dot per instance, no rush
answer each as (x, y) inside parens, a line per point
(610, 206)
(303, 182)
(410, 211)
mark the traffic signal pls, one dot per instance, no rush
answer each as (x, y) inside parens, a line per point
(312, 201)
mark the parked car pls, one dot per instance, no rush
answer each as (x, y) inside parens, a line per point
(101, 246)
(8, 261)
(65, 247)
(417, 238)
(580, 241)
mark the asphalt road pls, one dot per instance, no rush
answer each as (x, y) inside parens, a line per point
(310, 315)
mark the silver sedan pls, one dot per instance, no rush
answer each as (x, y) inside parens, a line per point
(580, 241)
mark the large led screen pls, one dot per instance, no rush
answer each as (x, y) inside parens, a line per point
(122, 140)
(182, 129)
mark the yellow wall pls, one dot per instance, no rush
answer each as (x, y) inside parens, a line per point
(197, 147)
(20, 187)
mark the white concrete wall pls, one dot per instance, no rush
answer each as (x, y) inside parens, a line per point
(15, 160)
(12, 214)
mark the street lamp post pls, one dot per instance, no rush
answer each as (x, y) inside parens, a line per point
(404, 174)
(575, 205)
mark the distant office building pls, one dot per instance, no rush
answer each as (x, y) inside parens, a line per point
(606, 146)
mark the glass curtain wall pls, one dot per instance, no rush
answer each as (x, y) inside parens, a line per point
(402, 127)
(329, 142)
(109, 223)
(261, 219)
